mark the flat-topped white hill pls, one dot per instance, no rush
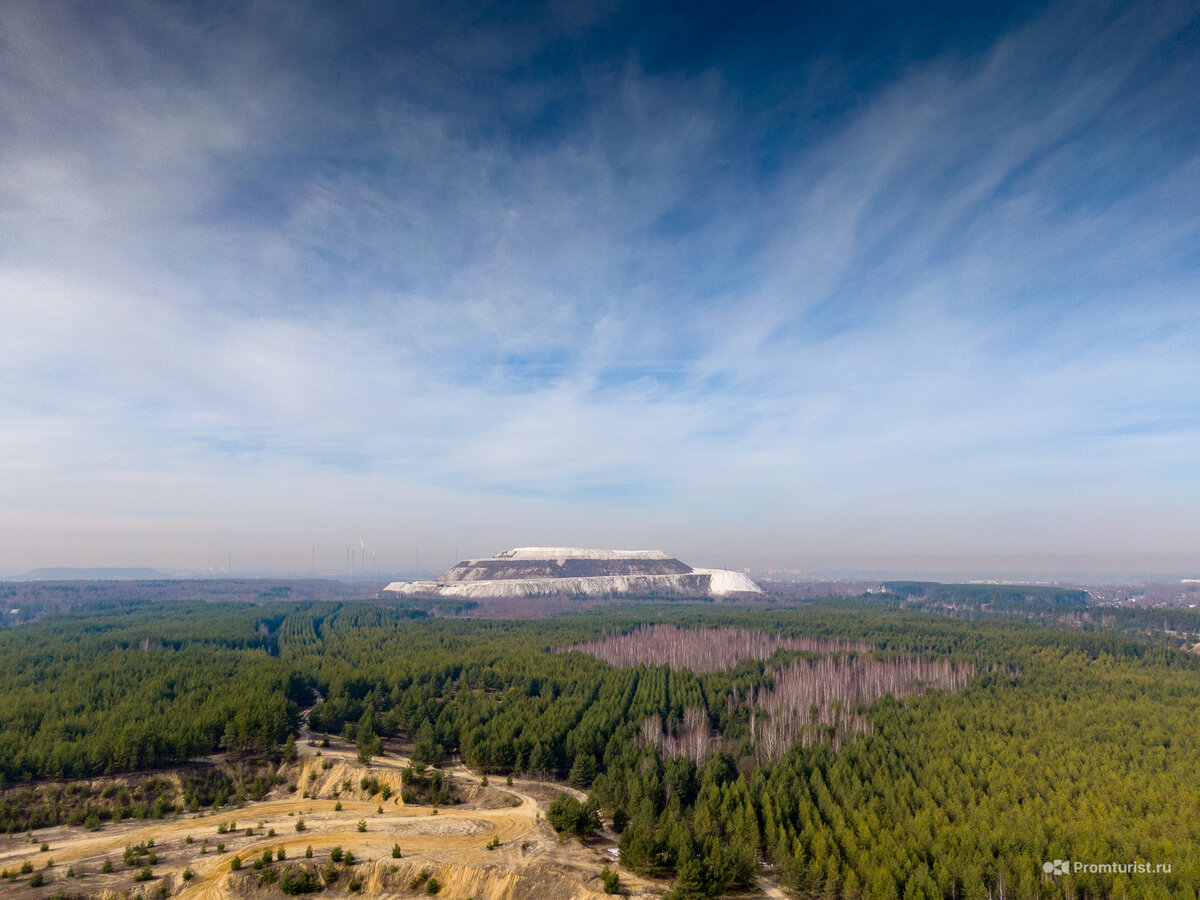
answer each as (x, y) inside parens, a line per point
(542, 571)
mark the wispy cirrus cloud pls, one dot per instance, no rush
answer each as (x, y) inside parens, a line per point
(296, 277)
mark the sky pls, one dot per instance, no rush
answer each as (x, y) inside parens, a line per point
(779, 284)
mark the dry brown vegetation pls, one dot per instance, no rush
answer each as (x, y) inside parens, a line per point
(815, 700)
(701, 649)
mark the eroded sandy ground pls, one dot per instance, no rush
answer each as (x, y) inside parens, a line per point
(449, 843)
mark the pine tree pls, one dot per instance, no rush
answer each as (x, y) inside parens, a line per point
(583, 772)
(692, 882)
(365, 738)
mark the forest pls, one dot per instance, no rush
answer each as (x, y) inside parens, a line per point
(997, 596)
(854, 749)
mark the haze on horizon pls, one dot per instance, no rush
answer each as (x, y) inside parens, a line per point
(758, 285)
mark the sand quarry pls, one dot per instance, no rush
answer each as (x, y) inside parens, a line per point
(449, 844)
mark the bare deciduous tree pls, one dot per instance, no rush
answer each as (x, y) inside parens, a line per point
(811, 700)
(831, 688)
(701, 649)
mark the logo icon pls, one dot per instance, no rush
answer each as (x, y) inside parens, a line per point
(1058, 867)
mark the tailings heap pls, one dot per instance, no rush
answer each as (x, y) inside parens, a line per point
(546, 571)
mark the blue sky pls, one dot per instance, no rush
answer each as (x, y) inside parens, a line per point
(773, 284)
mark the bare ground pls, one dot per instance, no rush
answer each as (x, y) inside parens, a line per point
(450, 844)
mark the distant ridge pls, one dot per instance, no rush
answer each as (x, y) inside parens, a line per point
(103, 573)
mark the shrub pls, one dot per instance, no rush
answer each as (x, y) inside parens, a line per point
(235, 863)
(362, 825)
(188, 874)
(569, 816)
(395, 851)
(300, 826)
(38, 879)
(338, 806)
(336, 853)
(308, 852)
(144, 874)
(611, 880)
(356, 883)
(419, 879)
(106, 866)
(300, 881)
(432, 886)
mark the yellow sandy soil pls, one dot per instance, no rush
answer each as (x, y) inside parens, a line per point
(451, 843)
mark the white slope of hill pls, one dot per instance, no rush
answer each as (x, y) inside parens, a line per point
(726, 581)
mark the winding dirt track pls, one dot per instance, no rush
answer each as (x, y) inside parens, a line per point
(449, 833)
(451, 840)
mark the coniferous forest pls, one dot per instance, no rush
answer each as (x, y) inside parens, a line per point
(856, 750)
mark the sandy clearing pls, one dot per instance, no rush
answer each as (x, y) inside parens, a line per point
(528, 860)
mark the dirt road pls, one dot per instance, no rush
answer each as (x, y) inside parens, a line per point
(452, 841)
